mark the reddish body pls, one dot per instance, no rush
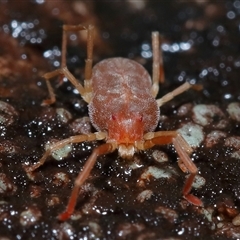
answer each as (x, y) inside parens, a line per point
(122, 102)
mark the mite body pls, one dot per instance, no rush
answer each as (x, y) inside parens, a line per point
(123, 109)
(122, 103)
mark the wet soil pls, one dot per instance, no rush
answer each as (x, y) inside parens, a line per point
(122, 199)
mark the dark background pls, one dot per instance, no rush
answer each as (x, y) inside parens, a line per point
(200, 45)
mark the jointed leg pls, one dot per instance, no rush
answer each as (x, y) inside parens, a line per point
(65, 72)
(82, 176)
(182, 88)
(87, 89)
(185, 162)
(191, 167)
(64, 142)
(169, 96)
(158, 138)
(158, 71)
(88, 66)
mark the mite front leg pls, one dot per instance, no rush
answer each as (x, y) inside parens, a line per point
(183, 149)
(61, 144)
(82, 176)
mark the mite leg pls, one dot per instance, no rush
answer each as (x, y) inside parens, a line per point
(62, 143)
(87, 89)
(182, 88)
(82, 176)
(183, 149)
(191, 167)
(169, 96)
(157, 71)
(89, 60)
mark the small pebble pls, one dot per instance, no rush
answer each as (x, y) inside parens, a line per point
(160, 156)
(8, 114)
(6, 185)
(236, 154)
(233, 141)
(63, 115)
(214, 137)
(208, 213)
(81, 126)
(30, 216)
(124, 229)
(144, 195)
(153, 172)
(8, 147)
(61, 153)
(199, 181)
(53, 200)
(60, 179)
(167, 213)
(35, 191)
(184, 109)
(206, 114)
(95, 229)
(192, 133)
(233, 110)
(64, 231)
(236, 220)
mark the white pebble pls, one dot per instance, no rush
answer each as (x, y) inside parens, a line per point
(192, 133)
(144, 195)
(233, 110)
(61, 153)
(30, 216)
(236, 220)
(199, 181)
(160, 156)
(63, 115)
(214, 137)
(206, 114)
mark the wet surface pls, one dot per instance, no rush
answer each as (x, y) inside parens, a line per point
(122, 199)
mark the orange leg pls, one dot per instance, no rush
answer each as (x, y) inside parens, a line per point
(82, 176)
(63, 71)
(191, 167)
(183, 149)
(157, 71)
(90, 33)
(62, 143)
(182, 88)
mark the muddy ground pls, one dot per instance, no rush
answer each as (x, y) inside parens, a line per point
(122, 199)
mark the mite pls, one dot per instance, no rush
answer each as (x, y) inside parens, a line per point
(123, 108)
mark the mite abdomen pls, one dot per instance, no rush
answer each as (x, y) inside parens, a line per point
(120, 84)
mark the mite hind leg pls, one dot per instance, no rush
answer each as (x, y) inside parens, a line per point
(185, 163)
(86, 90)
(157, 68)
(89, 60)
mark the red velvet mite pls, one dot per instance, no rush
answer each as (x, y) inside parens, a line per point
(123, 109)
